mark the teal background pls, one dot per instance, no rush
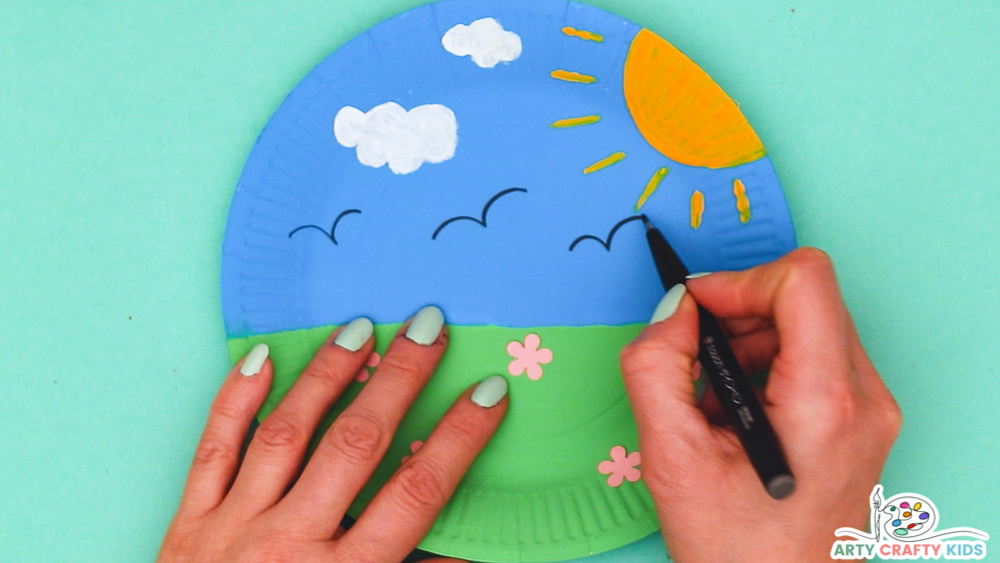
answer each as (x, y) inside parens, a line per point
(124, 126)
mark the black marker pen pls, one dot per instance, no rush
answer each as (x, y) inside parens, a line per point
(727, 379)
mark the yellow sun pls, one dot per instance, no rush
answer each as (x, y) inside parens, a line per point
(682, 112)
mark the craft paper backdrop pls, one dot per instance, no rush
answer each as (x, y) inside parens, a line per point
(124, 126)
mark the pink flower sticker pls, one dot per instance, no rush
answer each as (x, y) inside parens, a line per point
(621, 467)
(414, 446)
(372, 362)
(528, 357)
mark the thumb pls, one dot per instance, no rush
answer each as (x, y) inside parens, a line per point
(656, 368)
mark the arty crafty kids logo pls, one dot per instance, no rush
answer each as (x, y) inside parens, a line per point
(905, 527)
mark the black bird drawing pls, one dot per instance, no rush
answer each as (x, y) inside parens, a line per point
(611, 235)
(332, 235)
(486, 209)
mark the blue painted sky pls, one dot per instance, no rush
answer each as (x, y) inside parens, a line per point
(518, 271)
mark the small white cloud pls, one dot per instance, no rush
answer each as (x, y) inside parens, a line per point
(485, 40)
(403, 139)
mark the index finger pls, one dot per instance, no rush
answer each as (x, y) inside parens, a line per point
(218, 455)
(799, 292)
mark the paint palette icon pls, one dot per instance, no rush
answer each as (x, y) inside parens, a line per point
(904, 519)
(910, 516)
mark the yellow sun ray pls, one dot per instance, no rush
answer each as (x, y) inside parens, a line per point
(651, 186)
(583, 34)
(604, 162)
(576, 121)
(742, 203)
(697, 208)
(569, 76)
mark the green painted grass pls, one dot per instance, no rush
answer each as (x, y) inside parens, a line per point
(558, 427)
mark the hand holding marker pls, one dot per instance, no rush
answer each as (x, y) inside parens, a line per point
(730, 384)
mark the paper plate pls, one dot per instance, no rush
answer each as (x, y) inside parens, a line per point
(488, 157)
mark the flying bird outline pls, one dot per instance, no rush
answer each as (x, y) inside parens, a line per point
(486, 209)
(332, 235)
(611, 235)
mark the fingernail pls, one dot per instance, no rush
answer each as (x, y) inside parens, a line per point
(355, 334)
(426, 325)
(698, 275)
(255, 360)
(490, 391)
(668, 305)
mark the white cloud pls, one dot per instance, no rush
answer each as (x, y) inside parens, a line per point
(485, 40)
(403, 139)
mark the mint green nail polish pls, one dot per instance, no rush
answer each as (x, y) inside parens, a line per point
(255, 360)
(698, 275)
(426, 325)
(668, 305)
(355, 334)
(490, 391)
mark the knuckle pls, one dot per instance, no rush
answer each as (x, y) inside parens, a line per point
(186, 542)
(640, 353)
(811, 257)
(227, 411)
(274, 550)
(178, 547)
(839, 410)
(890, 417)
(406, 370)
(646, 356)
(421, 488)
(363, 549)
(809, 270)
(281, 434)
(630, 354)
(464, 430)
(357, 437)
(214, 453)
(323, 375)
(809, 263)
